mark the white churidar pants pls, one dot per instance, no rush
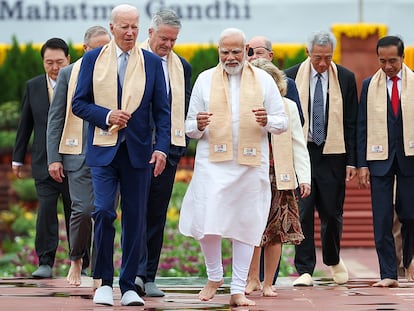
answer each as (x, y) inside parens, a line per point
(242, 256)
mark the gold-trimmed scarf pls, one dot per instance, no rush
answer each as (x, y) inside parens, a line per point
(177, 89)
(105, 87)
(377, 103)
(335, 142)
(49, 89)
(72, 134)
(220, 128)
(283, 155)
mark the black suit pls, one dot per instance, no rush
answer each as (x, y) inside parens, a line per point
(328, 182)
(159, 198)
(33, 118)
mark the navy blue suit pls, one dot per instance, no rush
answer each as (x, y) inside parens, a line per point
(383, 173)
(159, 198)
(293, 94)
(125, 165)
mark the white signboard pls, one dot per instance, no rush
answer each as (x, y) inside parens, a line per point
(288, 21)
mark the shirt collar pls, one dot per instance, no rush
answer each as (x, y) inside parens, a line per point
(399, 75)
(119, 51)
(324, 74)
(52, 82)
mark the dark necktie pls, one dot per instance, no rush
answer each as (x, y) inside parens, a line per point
(318, 130)
(395, 98)
(122, 67)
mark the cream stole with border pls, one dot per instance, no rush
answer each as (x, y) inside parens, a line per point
(49, 89)
(72, 134)
(177, 89)
(334, 143)
(105, 86)
(377, 104)
(220, 128)
(283, 156)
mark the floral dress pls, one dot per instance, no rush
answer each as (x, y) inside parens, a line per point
(283, 224)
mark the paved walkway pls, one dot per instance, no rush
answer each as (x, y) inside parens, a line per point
(357, 294)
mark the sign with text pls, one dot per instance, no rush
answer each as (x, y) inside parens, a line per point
(203, 20)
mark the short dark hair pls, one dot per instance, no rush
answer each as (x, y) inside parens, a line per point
(55, 44)
(391, 40)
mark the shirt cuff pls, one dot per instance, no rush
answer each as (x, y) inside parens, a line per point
(158, 151)
(107, 118)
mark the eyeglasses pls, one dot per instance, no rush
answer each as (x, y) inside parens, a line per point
(251, 51)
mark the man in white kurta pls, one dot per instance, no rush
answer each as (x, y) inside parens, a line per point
(226, 199)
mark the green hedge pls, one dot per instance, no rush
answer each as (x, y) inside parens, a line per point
(21, 64)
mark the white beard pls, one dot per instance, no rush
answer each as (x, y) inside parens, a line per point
(233, 70)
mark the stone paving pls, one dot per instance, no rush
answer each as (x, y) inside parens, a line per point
(181, 294)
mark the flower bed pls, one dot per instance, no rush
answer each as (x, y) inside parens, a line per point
(180, 257)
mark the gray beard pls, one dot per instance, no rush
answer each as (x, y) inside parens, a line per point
(233, 70)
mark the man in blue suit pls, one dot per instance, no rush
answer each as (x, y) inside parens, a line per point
(118, 101)
(385, 155)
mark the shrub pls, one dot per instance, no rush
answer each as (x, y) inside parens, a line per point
(25, 189)
(19, 66)
(7, 139)
(202, 60)
(298, 58)
(9, 115)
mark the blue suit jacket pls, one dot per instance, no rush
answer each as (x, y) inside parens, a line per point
(138, 133)
(293, 94)
(395, 140)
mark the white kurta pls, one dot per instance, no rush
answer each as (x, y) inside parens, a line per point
(226, 198)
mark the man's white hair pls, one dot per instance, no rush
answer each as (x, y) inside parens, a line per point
(122, 8)
(231, 32)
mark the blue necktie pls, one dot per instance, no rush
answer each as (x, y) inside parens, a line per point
(122, 67)
(318, 130)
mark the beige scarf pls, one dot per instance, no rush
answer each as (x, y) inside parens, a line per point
(283, 156)
(220, 128)
(334, 143)
(49, 89)
(105, 86)
(177, 88)
(377, 133)
(72, 135)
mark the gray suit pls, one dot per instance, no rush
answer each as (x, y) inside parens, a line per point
(80, 182)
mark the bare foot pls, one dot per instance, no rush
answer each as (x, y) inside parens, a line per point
(268, 291)
(386, 283)
(96, 284)
(252, 285)
(409, 272)
(74, 274)
(209, 290)
(240, 300)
